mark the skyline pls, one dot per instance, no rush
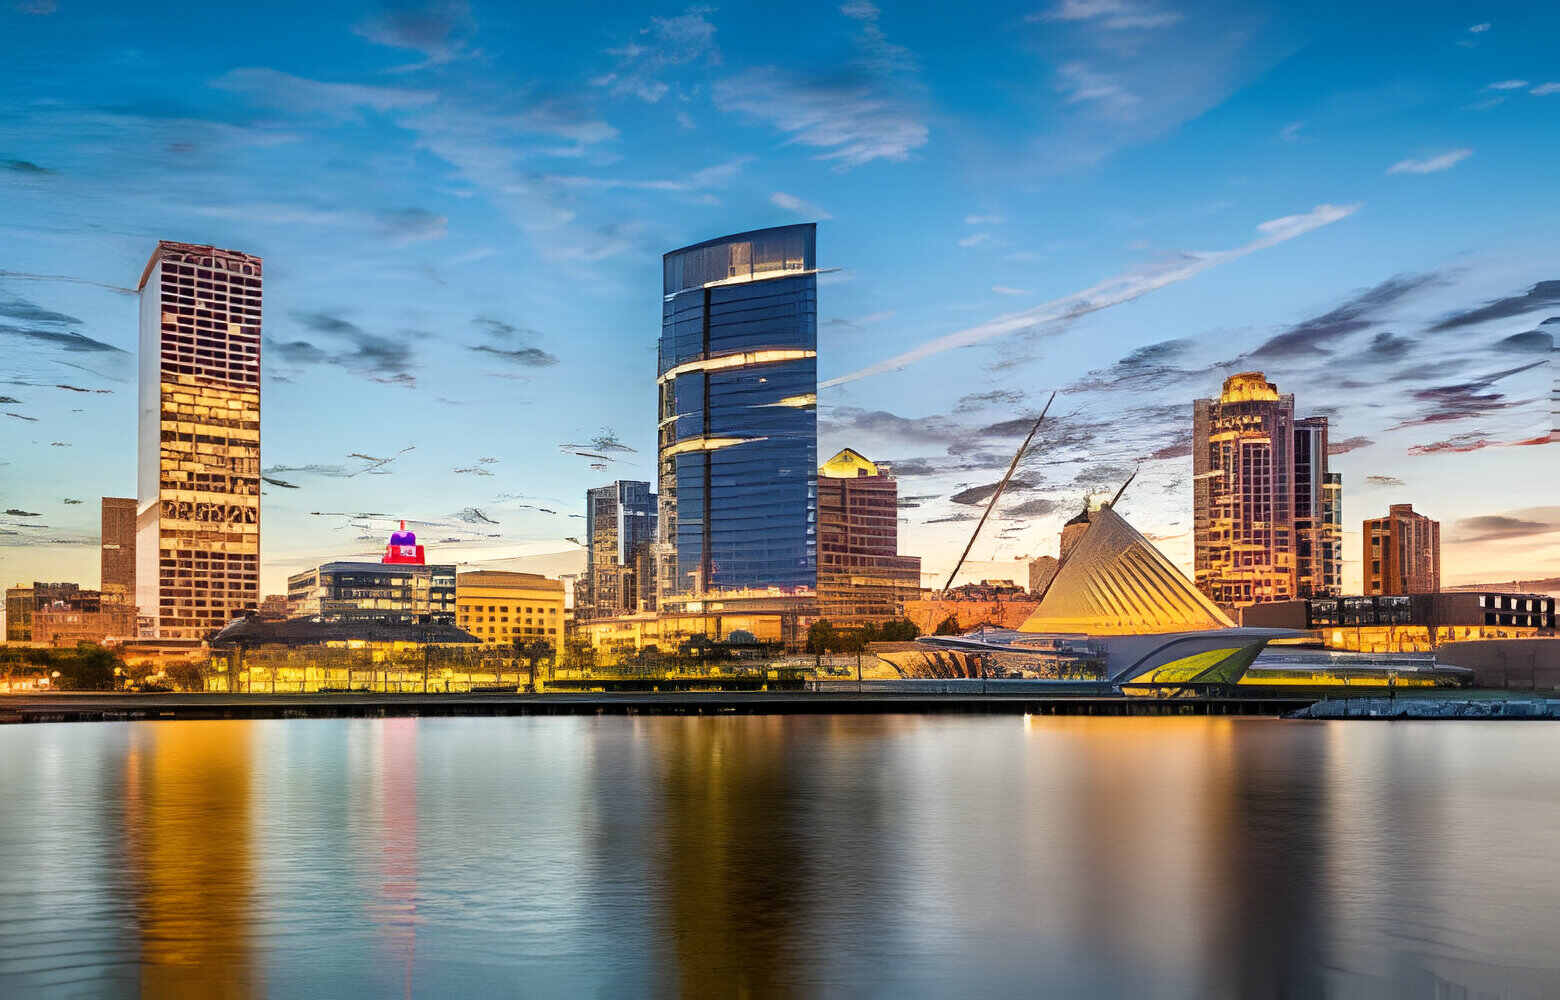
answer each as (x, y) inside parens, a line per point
(437, 246)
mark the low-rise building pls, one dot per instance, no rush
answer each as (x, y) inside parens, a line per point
(21, 603)
(1392, 623)
(401, 589)
(63, 627)
(500, 608)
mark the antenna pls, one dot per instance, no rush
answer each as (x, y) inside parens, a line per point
(998, 494)
(1123, 489)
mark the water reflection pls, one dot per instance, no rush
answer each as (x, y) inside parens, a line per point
(780, 856)
(189, 856)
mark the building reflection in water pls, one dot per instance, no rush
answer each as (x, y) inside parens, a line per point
(189, 852)
(393, 907)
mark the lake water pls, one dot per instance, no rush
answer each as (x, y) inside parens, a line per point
(773, 856)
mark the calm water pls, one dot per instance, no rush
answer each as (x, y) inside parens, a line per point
(780, 856)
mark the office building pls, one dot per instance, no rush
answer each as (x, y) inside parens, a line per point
(619, 578)
(63, 626)
(1042, 570)
(1402, 552)
(400, 589)
(1401, 623)
(862, 577)
(197, 545)
(1267, 509)
(21, 603)
(500, 608)
(117, 537)
(737, 421)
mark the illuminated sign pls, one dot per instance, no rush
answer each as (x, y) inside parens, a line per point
(403, 549)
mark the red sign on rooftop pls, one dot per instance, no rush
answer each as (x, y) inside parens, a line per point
(403, 548)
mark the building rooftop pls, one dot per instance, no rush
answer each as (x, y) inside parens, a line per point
(253, 631)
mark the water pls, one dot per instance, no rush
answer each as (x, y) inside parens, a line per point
(772, 856)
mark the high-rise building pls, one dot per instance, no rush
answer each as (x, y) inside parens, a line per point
(1402, 552)
(500, 608)
(861, 575)
(198, 517)
(118, 558)
(619, 530)
(1267, 511)
(737, 418)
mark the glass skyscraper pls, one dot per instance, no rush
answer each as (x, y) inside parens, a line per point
(738, 430)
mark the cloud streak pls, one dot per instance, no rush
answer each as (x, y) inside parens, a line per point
(1108, 293)
(1431, 165)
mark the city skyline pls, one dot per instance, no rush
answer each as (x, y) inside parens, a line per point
(397, 198)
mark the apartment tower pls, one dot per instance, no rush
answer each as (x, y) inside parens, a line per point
(1402, 553)
(197, 541)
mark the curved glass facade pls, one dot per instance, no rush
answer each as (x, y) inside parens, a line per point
(738, 438)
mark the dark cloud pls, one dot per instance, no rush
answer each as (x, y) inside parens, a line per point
(852, 423)
(1148, 367)
(1531, 342)
(1540, 296)
(502, 330)
(32, 313)
(1181, 447)
(1517, 524)
(981, 400)
(25, 167)
(284, 484)
(1551, 321)
(1038, 507)
(1316, 336)
(14, 512)
(1463, 400)
(951, 518)
(1383, 480)
(1348, 444)
(529, 357)
(1474, 441)
(10, 400)
(976, 495)
(385, 359)
(1101, 474)
(18, 416)
(74, 342)
(1387, 346)
(434, 29)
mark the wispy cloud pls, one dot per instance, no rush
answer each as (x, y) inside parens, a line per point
(1479, 29)
(852, 121)
(299, 94)
(434, 29)
(1291, 132)
(664, 43)
(1009, 290)
(984, 220)
(1112, 292)
(1545, 89)
(1431, 165)
(1112, 15)
(974, 240)
(791, 203)
(1507, 85)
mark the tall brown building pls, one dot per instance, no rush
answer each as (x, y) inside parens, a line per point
(1267, 509)
(118, 556)
(1402, 553)
(861, 575)
(198, 515)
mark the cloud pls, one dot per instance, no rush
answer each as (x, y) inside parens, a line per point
(530, 357)
(1006, 290)
(984, 220)
(1475, 441)
(431, 29)
(1463, 400)
(75, 343)
(1291, 132)
(1317, 335)
(511, 344)
(1479, 29)
(1431, 165)
(412, 225)
(1545, 89)
(977, 495)
(995, 397)
(664, 43)
(1112, 15)
(974, 240)
(1530, 342)
(1543, 295)
(1148, 367)
(380, 358)
(1111, 292)
(1507, 85)
(851, 117)
(299, 94)
(1379, 480)
(37, 8)
(795, 205)
(1346, 445)
(1078, 83)
(1038, 507)
(30, 312)
(15, 512)
(25, 167)
(1517, 524)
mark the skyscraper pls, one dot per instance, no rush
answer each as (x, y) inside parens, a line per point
(117, 537)
(861, 575)
(1402, 552)
(198, 518)
(1266, 508)
(737, 417)
(620, 523)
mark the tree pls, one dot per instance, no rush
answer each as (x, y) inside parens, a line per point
(90, 668)
(898, 630)
(822, 637)
(186, 676)
(948, 626)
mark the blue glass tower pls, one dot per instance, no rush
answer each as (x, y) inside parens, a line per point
(738, 424)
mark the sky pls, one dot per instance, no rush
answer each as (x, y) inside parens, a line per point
(462, 209)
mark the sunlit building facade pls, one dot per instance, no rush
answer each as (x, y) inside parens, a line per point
(1267, 510)
(21, 603)
(620, 520)
(375, 592)
(117, 538)
(1402, 552)
(500, 608)
(198, 506)
(862, 577)
(737, 420)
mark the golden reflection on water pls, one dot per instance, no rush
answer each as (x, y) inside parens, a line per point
(188, 850)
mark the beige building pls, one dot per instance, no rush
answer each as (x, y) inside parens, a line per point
(500, 607)
(197, 544)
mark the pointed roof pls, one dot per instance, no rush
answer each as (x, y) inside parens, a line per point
(848, 464)
(1115, 582)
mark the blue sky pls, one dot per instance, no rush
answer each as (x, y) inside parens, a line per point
(462, 210)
